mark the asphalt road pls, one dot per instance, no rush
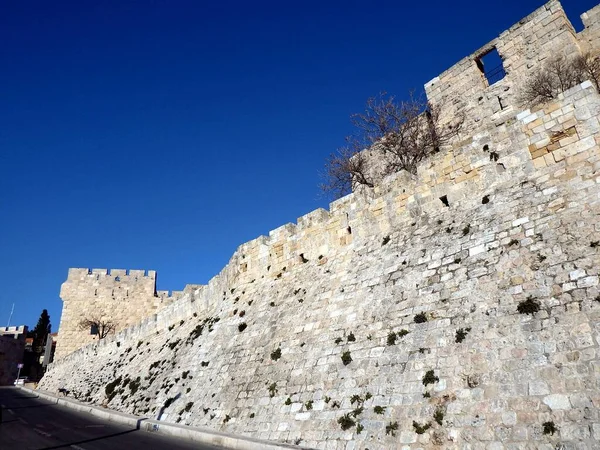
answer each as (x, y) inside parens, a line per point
(30, 423)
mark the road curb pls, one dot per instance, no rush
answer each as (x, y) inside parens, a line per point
(201, 435)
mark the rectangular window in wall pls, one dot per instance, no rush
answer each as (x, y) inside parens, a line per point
(491, 67)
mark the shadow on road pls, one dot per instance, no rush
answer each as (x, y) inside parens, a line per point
(31, 406)
(85, 441)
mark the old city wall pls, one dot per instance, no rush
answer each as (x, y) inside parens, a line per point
(420, 274)
(464, 90)
(123, 297)
(461, 91)
(472, 95)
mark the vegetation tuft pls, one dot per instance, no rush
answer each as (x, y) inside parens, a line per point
(549, 428)
(346, 422)
(276, 354)
(420, 429)
(379, 409)
(420, 318)
(430, 378)
(346, 358)
(391, 428)
(461, 334)
(529, 306)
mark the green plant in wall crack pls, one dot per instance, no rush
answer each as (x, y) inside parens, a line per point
(308, 405)
(461, 334)
(391, 428)
(359, 428)
(430, 378)
(438, 415)
(346, 358)
(346, 422)
(276, 354)
(288, 401)
(356, 399)
(391, 338)
(273, 389)
(420, 318)
(549, 428)
(379, 409)
(529, 306)
(420, 429)
(357, 411)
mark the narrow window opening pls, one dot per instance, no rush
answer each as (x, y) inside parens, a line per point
(349, 230)
(94, 329)
(491, 67)
(117, 278)
(444, 200)
(96, 292)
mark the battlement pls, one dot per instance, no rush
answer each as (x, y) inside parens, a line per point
(83, 273)
(15, 331)
(483, 265)
(123, 296)
(484, 87)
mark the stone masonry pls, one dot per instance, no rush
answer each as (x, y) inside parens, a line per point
(124, 297)
(464, 89)
(457, 309)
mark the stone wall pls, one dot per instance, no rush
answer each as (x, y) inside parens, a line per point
(463, 89)
(590, 36)
(124, 297)
(456, 309)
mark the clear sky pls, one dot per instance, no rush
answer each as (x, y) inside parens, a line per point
(163, 134)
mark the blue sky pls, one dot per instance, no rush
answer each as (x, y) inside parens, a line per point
(163, 134)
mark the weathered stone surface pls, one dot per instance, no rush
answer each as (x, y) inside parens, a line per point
(483, 311)
(557, 401)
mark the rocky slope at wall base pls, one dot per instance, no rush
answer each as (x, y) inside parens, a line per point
(225, 440)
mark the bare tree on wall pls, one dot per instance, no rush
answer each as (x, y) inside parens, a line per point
(98, 326)
(558, 75)
(399, 135)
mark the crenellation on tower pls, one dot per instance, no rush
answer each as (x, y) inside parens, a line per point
(124, 297)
